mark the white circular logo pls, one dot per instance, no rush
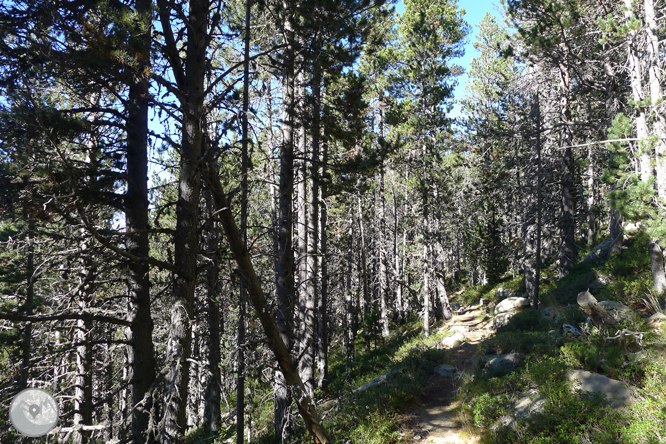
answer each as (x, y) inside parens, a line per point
(33, 412)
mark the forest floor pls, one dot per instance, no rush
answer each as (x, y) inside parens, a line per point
(437, 420)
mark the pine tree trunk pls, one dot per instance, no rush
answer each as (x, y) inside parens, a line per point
(317, 237)
(426, 241)
(637, 93)
(141, 352)
(213, 395)
(655, 68)
(285, 255)
(240, 386)
(187, 216)
(26, 351)
(567, 245)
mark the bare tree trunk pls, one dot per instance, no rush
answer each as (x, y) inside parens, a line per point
(398, 278)
(285, 255)
(29, 301)
(350, 315)
(567, 246)
(426, 241)
(213, 396)
(240, 386)
(637, 93)
(655, 69)
(363, 275)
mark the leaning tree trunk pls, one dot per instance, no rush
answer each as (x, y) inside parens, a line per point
(286, 364)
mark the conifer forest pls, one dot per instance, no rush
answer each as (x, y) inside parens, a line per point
(258, 221)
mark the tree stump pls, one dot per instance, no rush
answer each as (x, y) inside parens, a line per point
(598, 314)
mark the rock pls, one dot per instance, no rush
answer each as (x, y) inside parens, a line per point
(503, 293)
(632, 228)
(657, 321)
(500, 365)
(459, 328)
(504, 421)
(571, 330)
(452, 341)
(600, 252)
(501, 319)
(552, 314)
(530, 404)
(448, 371)
(616, 392)
(599, 282)
(483, 302)
(511, 304)
(376, 382)
(619, 311)
(327, 406)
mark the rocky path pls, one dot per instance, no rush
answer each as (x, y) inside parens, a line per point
(437, 416)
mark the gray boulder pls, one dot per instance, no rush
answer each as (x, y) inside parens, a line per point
(500, 365)
(501, 319)
(657, 321)
(600, 252)
(452, 341)
(376, 382)
(616, 392)
(448, 371)
(619, 311)
(529, 404)
(512, 304)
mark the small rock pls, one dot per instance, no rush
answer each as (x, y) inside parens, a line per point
(616, 392)
(513, 303)
(452, 341)
(448, 371)
(483, 302)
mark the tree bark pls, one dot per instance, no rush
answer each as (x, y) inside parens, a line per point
(240, 386)
(567, 242)
(285, 256)
(657, 266)
(213, 396)
(187, 216)
(141, 354)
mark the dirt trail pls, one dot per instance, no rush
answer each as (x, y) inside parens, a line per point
(439, 423)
